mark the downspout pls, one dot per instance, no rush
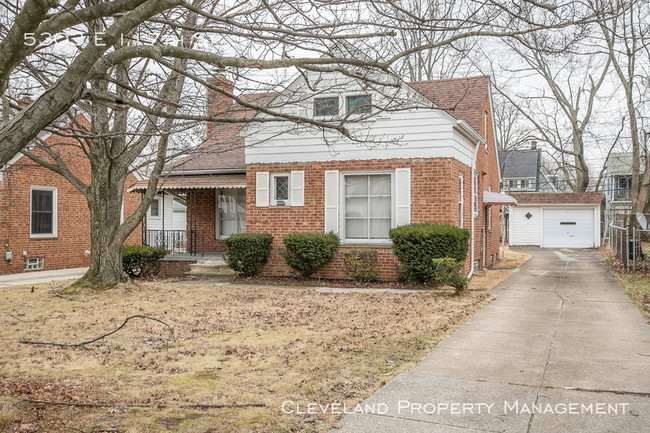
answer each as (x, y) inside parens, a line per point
(473, 183)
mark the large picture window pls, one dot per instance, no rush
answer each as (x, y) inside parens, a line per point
(231, 211)
(43, 212)
(368, 206)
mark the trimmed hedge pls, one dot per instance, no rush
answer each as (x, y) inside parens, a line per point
(360, 264)
(141, 261)
(248, 252)
(416, 246)
(308, 252)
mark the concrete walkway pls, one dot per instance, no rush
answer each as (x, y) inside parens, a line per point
(41, 277)
(561, 349)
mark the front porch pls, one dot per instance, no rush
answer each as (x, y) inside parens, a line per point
(215, 208)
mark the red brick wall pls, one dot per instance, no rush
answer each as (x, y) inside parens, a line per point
(68, 249)
(487, 167)
(205, 219)
(434, 199)
(170, 268)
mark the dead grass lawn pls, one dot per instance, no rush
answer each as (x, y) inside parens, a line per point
(230, 345)
(511, 259)
(487, 280)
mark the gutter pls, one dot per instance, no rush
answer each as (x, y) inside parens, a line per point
(473, 183)
(199, 172)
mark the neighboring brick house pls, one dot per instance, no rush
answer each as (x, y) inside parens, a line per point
(44, 219)
(434, 163)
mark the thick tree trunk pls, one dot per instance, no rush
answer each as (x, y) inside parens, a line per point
(582, 170)
(104, 197)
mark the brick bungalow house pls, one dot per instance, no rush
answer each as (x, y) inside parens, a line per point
(435, 162)
(44, 220)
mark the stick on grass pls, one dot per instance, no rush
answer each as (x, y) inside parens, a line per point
(142, 405)
(84, 343)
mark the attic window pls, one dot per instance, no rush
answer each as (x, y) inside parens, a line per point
(359, 104)
(528, 215)
(326, 106)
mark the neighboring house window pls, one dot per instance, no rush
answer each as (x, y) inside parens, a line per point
(231, 211)
(359, 104)
(326, 106)
(489, 218)
(34, 264)
(461, 199)
(280, 188)
(154, 210)
(368, 204)
(525, 184)
(43, 208)
(623, 187)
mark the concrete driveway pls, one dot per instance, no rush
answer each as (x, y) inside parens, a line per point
(561, 349)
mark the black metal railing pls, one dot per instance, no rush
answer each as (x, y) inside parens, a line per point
(176, 241)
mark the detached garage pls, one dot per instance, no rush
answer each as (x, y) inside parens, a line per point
(556, 220)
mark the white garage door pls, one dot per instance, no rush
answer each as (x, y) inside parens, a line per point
(568, 228)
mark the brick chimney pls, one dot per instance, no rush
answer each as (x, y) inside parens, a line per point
(533, 145)
(217, 103)
(24, 100)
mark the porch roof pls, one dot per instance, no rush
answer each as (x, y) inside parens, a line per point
(493, 198)
(206, 181)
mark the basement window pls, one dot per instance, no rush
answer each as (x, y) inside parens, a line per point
(34, 264)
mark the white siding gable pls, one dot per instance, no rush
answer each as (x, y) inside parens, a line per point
(418, 132)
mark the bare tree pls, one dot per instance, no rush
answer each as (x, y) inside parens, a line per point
(137, 69)
(561, 111)
(512, 132)
(625, 40)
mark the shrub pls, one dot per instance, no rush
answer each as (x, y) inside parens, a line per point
(141, 261)
(360, 264)
(450, 272)
(416, 246)
(248, 252)
(308, 252)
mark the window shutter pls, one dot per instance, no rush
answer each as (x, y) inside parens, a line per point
(332, 201)
(402, 196)
(297, 188)
(262, 189)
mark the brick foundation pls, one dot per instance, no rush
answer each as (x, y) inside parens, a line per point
(172, 268)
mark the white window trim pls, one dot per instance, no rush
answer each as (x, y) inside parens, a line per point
(475, 192)
(156, 217)
(217, 216)
(273, 202)
(381, 242)
(55, 216)
(461, 200)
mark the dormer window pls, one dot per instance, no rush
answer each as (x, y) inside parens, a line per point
(358, 104)
(326, 106)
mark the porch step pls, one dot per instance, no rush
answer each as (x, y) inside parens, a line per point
(211, 269)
